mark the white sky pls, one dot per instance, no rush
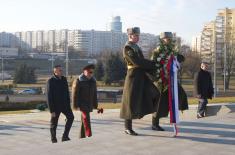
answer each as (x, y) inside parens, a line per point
(185, 17)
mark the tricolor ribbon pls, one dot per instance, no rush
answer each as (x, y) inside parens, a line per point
(172, 68)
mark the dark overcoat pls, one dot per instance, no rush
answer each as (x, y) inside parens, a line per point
(163, 109)
(203, 84)
(84, 93)
(140, 96)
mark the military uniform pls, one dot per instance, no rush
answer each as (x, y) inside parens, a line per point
(140, 96)
(84, 97)
(163, 109)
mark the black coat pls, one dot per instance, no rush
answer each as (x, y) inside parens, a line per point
(84, 93)
(203, 84)
(140, 96)
(58, 98)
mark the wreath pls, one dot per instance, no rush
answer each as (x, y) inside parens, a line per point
(161, 56)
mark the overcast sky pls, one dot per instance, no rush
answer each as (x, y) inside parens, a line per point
(185, 17)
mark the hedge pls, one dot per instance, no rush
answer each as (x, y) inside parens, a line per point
(10, 106)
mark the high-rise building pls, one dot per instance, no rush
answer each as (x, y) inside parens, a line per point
(91, 42)
(207, 41)
(5, 39)
(115, 24)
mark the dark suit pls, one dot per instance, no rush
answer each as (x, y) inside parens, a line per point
(203, 86)
(59, 102)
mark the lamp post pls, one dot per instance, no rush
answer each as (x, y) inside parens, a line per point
(2, 66)
(67, 59)
(52, 59)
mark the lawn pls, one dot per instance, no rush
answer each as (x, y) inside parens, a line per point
(190, 100)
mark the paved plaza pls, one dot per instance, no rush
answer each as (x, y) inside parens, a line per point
(29, 134)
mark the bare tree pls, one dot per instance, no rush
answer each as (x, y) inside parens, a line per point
(230, 58)
(191, 64)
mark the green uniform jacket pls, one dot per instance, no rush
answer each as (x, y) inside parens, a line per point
(140, 96)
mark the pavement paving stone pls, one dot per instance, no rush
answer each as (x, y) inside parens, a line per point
(29, 134)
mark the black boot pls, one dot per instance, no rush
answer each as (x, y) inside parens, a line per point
(128, 128)
(53, 135)
(155, 124)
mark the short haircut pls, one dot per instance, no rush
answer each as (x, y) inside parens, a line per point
(57, 66)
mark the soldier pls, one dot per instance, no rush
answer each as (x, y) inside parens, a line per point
(166, 48)
(84, 98)
(139, 94)
(58, 100)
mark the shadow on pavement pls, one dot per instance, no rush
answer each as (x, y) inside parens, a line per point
(208, 140)
(202, 124)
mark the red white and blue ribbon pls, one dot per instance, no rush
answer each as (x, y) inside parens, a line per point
(172, 68)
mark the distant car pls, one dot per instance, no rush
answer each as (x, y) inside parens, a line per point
(28, 91)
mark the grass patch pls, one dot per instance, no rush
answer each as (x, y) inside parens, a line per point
(190, 100)
(214, 100)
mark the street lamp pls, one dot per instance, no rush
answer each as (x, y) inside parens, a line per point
(2, 66)
(52, 59)
(67, 58)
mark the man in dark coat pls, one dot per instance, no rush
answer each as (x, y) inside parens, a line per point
(203, 88)
(58, 100)
(139, 94)
(84, 98)
(163, 109)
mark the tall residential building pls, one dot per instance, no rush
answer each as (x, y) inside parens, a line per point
(40, 40)
(51, 40)
(61, 39)
(5, 39)
(115, 24)
(26, 40)
(18, 39)
(218, 39)
(225, 35)
(148, 42)
(208, 41)
(91, 42)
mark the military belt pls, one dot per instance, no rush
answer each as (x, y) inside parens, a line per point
(131, 67)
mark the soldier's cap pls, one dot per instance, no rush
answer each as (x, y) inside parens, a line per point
(133, 30)
(90, 66)
(166, 35)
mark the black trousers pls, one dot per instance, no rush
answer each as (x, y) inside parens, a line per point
(85, 128)
(54, 122)
(155, 120)
(202, 106)
(128, 124)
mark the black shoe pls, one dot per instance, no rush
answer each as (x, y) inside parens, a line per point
(65, 139)
(131, 132)
(157, 128)
(54, 140)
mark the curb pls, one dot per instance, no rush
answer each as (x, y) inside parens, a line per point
(217, 109)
